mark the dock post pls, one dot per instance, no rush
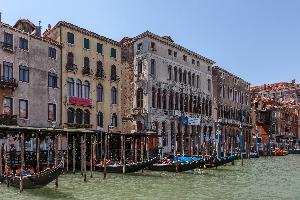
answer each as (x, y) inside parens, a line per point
(132, 148)
(6, 159)
(37, 153)
(67, 156)
(56, 156)
(105, 152)
(84, 156)
(101, 146)
(142, 150)
(22, 161)
(81, 157)
(147, 148)
(91, 157)
(135, 150)
(1, 162)
(123, 153)
(74, 153)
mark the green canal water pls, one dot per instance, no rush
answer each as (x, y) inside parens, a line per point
(263, 178)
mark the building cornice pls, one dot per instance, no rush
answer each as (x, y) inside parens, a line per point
(44, 39)
(81, 30)
(169, 42)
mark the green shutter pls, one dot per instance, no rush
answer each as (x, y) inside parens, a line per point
(113, 53)
(86, 43)
(70, 38)
(99, 48)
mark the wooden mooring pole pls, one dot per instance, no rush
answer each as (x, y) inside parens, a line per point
(22, 161)
(84, 156)
(123, 149)
(91, 156)
(37, 153)
(74, 153)
(56, 156)
(105, 152)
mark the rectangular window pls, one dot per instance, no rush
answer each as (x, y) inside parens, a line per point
(23, 43)
(209, 85)
(8, 106)
(193, 61)
(86, 43)
(169, 52)
(152, 67)
(175, 54)
(113, 53)
(70, 37)
(184, 57)
(52, 80)
(23, 109)
(51, 112)
(8, 40)
(7, 71)
(99, 48)
(198, 63)
(140, 46)
(52, 52)
(152, 46)
(24, 73)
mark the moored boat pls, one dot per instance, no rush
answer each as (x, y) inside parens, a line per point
(38, 180)
(294, 151)
(129, 168)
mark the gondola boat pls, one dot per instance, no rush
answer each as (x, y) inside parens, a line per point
(38, 180)
(177, 166)
(129, 168)
(222, 161)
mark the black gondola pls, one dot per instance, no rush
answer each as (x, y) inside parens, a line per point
(129, 168)
(179, 167)
(222, 161)
(38, 180)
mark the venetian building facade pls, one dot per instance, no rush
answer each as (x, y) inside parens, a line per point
(91, 71)
(30, 71)
(277, 111)
(169, 91)
(232, 106)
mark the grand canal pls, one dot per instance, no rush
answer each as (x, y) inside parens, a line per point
(263, 178)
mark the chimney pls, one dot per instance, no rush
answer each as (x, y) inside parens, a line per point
(0, 17)
(38, 31)
(49, 26)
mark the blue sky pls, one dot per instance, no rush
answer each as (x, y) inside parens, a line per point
(258, 40)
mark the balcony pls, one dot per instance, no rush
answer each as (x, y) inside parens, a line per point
(87, 71)
(8, 119)
(74, 125)
(71, 67)
(6, 82)
(8, 46)
(77, 101)
(100, 74)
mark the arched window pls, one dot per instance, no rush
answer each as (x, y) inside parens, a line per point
(164, 134)
(193, 79)
(70, 85)
(79, 88)
(86, 89)
(100, 119)
(191, 103)
(158, 98)
(171, 101)
(139, 98)
(86, 63)
(186, 103)
(113, 95)
(79, 116)
(180, 75)
(189, 78)
(170, 72)
(164, 99)
(99, 91)
(152, 67)
(181, 102)
(176, 101)
(113, 73)
(195, 109)
(199, 105)
(184, 77)
(100, 70)
(197, 81)
(175, 74)
(203, 106)
(70, 113)
(140, 67)
(70, 59)
(114, 120)
(87, 117)
(153, 97)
